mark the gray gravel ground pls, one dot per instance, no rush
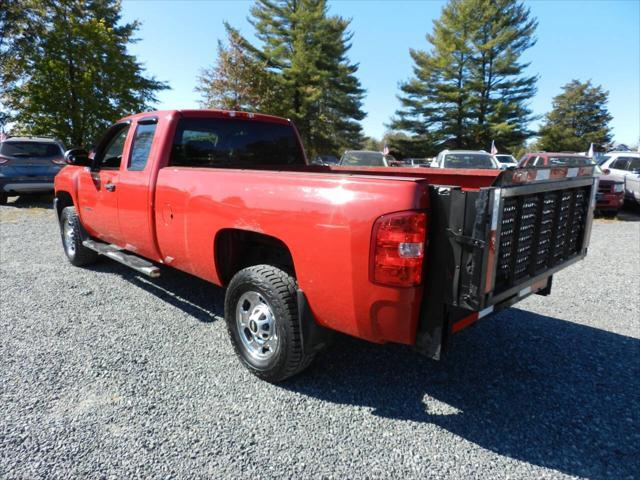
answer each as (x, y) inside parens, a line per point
(107, 374)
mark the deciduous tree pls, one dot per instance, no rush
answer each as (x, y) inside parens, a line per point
(238, 80)
(77, 76)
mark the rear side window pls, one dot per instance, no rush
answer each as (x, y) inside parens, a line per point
(627, 163)
(234, 143)
(141, 147)
(30, 149)
(620, 163)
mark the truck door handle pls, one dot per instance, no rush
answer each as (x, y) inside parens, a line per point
(111, 187)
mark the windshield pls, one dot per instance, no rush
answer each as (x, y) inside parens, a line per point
(30, 149)
(468, 160)
(234, 143)
(571, 161)
(506, 159)
(369, 159)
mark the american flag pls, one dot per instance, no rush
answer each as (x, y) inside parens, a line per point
(385, 149)
(3, 136)
(494, 150)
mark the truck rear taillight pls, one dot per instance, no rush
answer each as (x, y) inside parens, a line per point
(59, 161)
(3, 159)
(397, 249)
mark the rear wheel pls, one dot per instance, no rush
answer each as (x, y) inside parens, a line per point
(3, 198)
(262, 320)
(72, 236)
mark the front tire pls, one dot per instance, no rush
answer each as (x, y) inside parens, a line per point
(262, 320)
(72, 235)
(3, 198)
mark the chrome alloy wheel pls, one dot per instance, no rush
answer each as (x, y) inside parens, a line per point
(256, 326)
(69, 236)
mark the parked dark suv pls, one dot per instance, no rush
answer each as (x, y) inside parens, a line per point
(28, 165)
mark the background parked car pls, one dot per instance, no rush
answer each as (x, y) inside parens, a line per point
(465, 159)
(610, 195)
(28, 165)
(415, 162)
(325, 160)
(623, 167)
(367, 158)
(505, 160)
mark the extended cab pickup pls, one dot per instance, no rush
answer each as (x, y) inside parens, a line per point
(388, 255)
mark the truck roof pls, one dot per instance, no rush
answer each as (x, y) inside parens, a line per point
(32, 139)
(564, 154)
(211, 113)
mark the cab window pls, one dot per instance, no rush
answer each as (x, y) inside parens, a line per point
(109, 152)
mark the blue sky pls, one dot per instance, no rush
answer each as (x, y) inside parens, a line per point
(596, 40)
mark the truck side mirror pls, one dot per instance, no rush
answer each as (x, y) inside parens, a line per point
(78, 157)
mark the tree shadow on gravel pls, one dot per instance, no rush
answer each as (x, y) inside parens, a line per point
(198, 298)
(534, 388)
(538, 389)
(630, 212)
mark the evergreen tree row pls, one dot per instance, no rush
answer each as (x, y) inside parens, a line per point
(65, 71)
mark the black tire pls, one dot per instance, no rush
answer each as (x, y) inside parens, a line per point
(277, 290)
(3, 198)
(72, 236)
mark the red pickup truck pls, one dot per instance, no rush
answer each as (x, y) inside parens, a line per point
(388, 255)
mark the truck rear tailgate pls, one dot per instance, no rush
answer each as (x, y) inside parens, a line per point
(493, 246)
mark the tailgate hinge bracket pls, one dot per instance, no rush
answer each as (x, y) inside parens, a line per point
(464, 240)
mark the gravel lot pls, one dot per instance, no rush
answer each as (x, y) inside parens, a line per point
(105, 373)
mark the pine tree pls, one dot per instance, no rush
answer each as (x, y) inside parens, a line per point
(78, 78)
(500, 87)
(579, 117)
(469, 88)
(311, 80)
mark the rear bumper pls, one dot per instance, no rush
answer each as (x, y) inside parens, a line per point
(606, 202)
(26, 184)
